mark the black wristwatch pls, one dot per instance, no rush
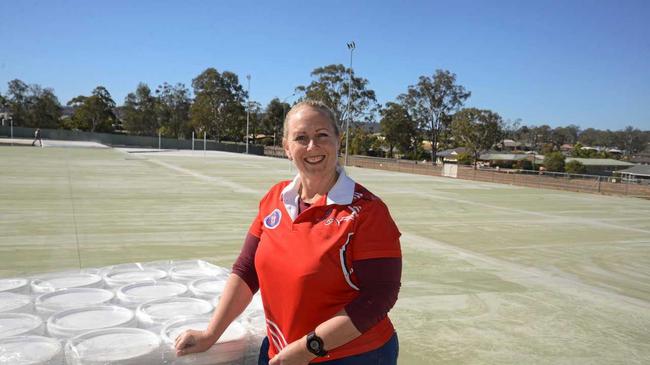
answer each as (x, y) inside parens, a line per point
(315, 345)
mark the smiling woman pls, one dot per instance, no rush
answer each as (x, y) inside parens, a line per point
(324, 253)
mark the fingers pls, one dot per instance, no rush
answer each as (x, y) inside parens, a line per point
(184, 343)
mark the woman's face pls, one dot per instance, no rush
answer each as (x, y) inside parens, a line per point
(312, 143)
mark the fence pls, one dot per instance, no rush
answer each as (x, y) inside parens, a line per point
(535, 179)
(130, 141)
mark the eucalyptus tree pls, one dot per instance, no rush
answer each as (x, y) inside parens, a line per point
(93, 113)
(331, 85)
(218, 106)
(173, 109)
(476, 129)
(432, 102)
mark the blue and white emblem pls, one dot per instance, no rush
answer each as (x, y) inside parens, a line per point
(272, 220)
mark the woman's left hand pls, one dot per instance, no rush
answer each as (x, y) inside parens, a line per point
(294, 354)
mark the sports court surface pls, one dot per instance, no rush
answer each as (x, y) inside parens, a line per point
(493, 274)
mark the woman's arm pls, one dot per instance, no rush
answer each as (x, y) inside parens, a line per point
(379, 283)
(235, 298)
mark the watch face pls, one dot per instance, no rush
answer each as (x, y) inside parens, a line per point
(314, 345)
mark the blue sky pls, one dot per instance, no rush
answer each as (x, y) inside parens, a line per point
(546, 62)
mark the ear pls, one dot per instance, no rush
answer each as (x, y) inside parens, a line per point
(286, 150)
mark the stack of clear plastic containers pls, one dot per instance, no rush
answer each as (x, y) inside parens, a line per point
(91, 316)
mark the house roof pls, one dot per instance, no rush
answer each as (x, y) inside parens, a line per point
(600, 162)
(637, 170)
(451, 152)
(505, 156)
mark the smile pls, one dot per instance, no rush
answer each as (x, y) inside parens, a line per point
(314, 159)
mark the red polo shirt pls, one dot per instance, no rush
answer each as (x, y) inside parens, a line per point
(303, 262)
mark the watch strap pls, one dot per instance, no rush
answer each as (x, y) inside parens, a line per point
(315, 345)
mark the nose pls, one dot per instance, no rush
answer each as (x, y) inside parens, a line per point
(311, 145)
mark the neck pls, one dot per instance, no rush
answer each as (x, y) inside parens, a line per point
(313, 188)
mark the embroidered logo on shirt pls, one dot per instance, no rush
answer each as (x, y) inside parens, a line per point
(355, 212)
(272, 220)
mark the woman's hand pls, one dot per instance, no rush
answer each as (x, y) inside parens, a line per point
(294, 354)
(192, 341)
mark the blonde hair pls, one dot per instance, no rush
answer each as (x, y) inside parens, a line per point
(316, 105)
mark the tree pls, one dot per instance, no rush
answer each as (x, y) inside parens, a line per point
(432, 101)
(173, 109)
(398, 128)
(273, 120)
(331, 86)
(632, 140)
(575, 167)
(140, 112)
(32, 106)
(218, 105)
(476, 129)
(554, 161)
(93, 113)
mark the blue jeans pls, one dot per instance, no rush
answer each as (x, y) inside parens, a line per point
(385, 355)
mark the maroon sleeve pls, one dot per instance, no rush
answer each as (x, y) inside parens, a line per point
(379, 283)
(244, 267)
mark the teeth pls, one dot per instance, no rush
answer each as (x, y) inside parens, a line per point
(315, 159)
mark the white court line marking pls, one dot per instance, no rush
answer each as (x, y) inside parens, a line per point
(526, 275)
(211, 179)
(591, 222)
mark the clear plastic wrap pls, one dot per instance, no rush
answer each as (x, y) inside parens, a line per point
(74, 322)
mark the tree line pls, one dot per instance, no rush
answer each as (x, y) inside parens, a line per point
(429, 116)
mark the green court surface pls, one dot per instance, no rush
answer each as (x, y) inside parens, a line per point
(493, 274)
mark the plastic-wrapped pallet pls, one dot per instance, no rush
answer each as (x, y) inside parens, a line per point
(74, 322)
(14, 285)
(132, 295)
(30, 350)
(52, 282)
(229, 349)
(115, 346)
(50, 303)
(18, 324)
(152, 314)
(15, 303)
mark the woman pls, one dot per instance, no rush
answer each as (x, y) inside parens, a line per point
(325, 254)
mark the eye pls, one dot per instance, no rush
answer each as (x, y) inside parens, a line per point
(322, 135)
(300, 138)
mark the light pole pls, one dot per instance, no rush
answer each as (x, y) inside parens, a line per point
(351, 47)
(248, 108)
(284, 115)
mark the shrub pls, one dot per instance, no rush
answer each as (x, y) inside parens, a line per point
(554, 161)
(575, 167)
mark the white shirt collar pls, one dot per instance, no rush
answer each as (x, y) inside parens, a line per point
(341, 193)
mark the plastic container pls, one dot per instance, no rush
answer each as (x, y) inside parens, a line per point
(73, 322)
(50, 303)
(51, 282)
(132, 295)
(131, 273)
(14, 285)
(188, 271)
(18, 324)
(229, 349)
(15, 303)
(152, 314)
(30, 350)
(114, 346)
(207, 288)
